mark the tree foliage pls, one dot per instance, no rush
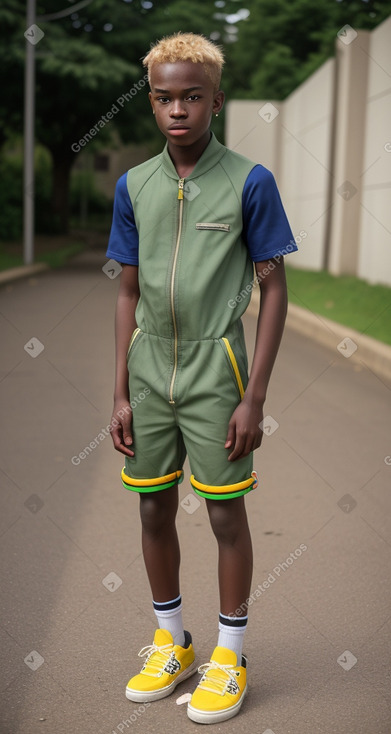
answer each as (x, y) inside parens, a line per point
(89, 58)
(283, 41)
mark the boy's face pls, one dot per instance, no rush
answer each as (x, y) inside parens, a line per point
(183, 99)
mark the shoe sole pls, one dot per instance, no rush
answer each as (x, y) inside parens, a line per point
(213, 717)
(145, 697)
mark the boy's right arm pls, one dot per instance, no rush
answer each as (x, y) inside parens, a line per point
(125, 324)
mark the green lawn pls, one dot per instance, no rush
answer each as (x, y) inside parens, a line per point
(345, 299)
(54, 257)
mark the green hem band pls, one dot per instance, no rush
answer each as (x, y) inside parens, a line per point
(153, 487)
(219, 496)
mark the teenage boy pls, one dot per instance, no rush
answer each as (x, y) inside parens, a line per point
(187, 227)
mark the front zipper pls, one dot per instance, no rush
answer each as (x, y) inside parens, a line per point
(174, 321)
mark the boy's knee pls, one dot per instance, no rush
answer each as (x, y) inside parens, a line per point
(225, 519)
(156, 511)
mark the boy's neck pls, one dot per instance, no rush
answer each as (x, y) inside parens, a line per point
(186, 158)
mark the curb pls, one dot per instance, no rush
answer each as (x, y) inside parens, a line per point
(371, 353)
(7, 276)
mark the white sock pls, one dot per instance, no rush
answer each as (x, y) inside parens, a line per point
(231, 634)
(169, 617)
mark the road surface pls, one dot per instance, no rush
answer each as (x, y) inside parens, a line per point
(76, 605)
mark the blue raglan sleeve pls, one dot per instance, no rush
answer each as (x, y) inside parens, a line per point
(123, 241)
(266, 228)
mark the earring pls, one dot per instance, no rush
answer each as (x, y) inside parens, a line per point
(217, 114)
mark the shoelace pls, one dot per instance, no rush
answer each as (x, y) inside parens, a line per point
(220, 684)
(157, 657)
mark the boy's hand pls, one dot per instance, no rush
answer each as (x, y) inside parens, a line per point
(120, 423)
(244, 434)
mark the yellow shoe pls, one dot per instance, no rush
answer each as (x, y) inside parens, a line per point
(221, 690)
(165, 666)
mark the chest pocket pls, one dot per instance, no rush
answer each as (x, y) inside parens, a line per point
(215, 226)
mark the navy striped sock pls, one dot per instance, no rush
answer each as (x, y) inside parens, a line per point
(231, 634)
(169, 617)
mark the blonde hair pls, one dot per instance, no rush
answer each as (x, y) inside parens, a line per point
(187, 47)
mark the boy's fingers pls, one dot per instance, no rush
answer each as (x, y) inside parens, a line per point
(126, 451)
(245, 443)
(230, 440)
(122, 436)
(239, 446)
(121, 447)
(126, 431)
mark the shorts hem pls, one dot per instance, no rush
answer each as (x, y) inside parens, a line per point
(226, 491)
(151, 485)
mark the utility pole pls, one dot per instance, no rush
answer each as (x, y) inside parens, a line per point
(29, 118)
(33, 35)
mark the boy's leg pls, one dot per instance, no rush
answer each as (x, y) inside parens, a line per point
(170, 659)
(160, 542)
(229, 523)
(221, 690)
(161, 553)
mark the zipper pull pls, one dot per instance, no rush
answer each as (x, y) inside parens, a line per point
(180, 188)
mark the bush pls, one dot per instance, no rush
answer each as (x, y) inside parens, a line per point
(82, 183)
(11, 194)
(10, 199)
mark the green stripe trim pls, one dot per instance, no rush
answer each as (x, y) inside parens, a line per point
(153, 488)
(219, 496)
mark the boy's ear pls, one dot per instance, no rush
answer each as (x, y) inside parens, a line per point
(218, 102)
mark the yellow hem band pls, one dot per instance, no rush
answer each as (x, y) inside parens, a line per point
(223, 488)
(150, 482)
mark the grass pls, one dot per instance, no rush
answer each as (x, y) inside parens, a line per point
(345, 299)
(55, 257)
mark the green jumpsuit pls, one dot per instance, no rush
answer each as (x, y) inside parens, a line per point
(187, 359)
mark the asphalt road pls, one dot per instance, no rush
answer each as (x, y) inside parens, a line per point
(75, 602)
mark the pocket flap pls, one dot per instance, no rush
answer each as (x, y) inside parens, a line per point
(218, 226)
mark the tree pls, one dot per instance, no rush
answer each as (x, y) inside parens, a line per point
(284, 41)
(85, 64)
(87, 61)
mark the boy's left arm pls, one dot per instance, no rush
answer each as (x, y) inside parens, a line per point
(244, 434)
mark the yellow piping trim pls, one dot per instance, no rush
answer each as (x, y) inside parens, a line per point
(135, 333)
(222, 488)
(149, 482)
(235, 366)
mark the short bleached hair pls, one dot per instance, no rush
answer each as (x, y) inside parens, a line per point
(187, 47)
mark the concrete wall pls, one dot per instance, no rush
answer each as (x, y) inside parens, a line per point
(347, 167)
(305, 169)
(329, 146)
(253, 136)
(374, 256)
